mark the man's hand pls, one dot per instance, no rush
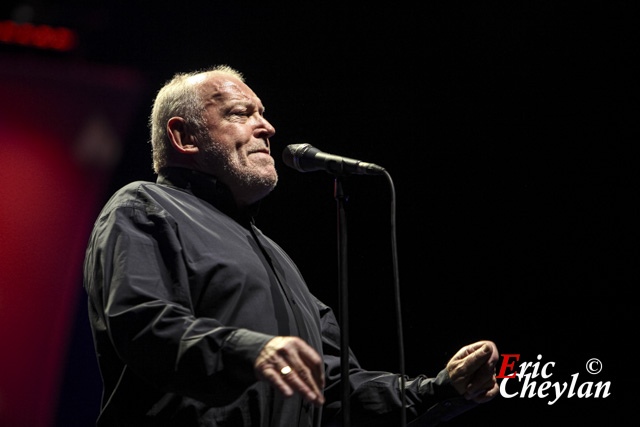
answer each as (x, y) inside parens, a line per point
(472, 371)
(292, 366)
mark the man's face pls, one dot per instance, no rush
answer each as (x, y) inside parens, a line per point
(237, 150)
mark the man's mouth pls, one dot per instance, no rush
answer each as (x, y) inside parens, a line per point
(264, 150)
(260, 152)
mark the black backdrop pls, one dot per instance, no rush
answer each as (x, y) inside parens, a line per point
(510, 133)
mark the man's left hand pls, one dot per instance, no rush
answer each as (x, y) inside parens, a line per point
(472, 371)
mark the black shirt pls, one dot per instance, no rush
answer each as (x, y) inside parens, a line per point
(184, 291)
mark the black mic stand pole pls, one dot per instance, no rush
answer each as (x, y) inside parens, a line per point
(345, 386)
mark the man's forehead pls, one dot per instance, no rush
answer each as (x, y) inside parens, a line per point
(218, 87)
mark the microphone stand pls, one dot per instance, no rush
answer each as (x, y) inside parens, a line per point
(345, 386)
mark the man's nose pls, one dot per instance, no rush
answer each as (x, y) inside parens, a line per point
(265, 129)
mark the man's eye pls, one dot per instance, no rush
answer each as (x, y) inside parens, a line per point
(238, 114)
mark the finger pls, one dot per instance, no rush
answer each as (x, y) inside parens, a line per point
(466, 351)
(304, 377)
(299, 385)
(302, 362)
(315, 364)
(486, 395)
(290, 383)
(465, 366)
(307, 363)
(479, 385)
(477, 358)
(274, 377)
(495, 355)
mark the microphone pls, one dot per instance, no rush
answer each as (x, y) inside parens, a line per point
(307, 158)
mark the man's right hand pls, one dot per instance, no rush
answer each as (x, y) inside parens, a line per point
(292, 366)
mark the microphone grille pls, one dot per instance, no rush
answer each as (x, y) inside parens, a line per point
(292, 153)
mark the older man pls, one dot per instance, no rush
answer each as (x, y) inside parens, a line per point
(201, 320)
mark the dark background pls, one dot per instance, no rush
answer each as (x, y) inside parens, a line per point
(510, 131)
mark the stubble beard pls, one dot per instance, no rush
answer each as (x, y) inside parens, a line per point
(246, 182)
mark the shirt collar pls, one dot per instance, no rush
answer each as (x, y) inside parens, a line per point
(208, 188)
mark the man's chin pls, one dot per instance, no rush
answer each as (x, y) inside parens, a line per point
(257, 187)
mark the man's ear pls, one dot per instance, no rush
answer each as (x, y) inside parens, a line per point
(181, 139)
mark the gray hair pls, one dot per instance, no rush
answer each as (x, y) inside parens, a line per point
(179, 97)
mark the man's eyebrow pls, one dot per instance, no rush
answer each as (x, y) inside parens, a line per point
(222, 97)
(247, 103)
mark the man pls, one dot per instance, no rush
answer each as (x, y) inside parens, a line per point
(201, 320)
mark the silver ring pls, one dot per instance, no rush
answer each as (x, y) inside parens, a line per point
(286, 370)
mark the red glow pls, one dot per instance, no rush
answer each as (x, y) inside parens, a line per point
(39, 36)
(48, 201)
(47, 205)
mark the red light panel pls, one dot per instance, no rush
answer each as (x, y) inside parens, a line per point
(38, 36)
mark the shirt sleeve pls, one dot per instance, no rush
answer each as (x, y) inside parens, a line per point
(139, 296)
(375, 396)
